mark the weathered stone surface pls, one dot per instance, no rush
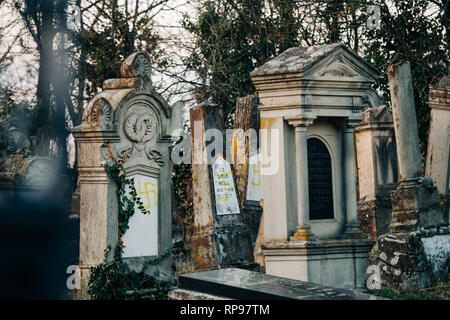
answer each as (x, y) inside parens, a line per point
(416, 207)
(218, 239)
(412, 260)
(438, 150)
(181, 294)
(415, 203)
(340, 263)
(126, 120)
(375, 216)
(405, 121)
(243, 284)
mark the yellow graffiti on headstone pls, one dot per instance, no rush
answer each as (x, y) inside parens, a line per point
(258, 172)
(221, 176)
(147, 191)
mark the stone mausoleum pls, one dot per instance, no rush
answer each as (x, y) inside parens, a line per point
(311, 99)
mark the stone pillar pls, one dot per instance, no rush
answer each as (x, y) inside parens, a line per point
(203, 242)
(351, 209)
(377, 170)
(410, 256)
(220, 238)
(301, 164)
(301, 157)
(415, 193)
(405, 121)
(97, 196)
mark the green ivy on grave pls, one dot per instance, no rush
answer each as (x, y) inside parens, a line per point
(114, 280)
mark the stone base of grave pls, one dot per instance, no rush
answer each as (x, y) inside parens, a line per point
(374, 216)
(416, 251)
(416, 206)
(204, 251)
(83, 273)
(253, 211)
(341, 263)
(232, 241)
(416, 259)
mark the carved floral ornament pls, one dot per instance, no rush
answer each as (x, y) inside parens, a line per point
(137, 65)
(101, 115)
(141, 127)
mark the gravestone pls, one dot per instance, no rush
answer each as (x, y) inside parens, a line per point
(254, 180)
(377, 170)
(224, 191)
(129, 119)
(247, 163)
(311, 100)
(410, 255)
(438, 151)
(220, 237)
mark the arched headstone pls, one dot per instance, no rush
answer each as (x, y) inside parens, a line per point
(128, 118)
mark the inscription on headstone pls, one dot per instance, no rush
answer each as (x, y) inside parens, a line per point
(254, 184)
(320, 180)
(224, 190)
(141, 239)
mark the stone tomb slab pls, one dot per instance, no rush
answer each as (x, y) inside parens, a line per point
(248, 285)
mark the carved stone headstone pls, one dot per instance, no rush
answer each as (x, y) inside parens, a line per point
(438, 151)
(131, 119)
(220, 237)
(377, 170)
(224, 190)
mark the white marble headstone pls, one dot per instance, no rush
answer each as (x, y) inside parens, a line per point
(224, 190)
(141, 239)
(254, 182)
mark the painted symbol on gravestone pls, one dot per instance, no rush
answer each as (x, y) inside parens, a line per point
(148, 190)
(141, 239)
(319, 180)
(224, 190)
(254, 185)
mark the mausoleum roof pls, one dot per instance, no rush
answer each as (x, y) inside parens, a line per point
(299, 59)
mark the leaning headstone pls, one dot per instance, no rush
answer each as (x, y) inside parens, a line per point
(220, 236)
(377, 170)
(224, 190)
(247, 162)
(417, 219)
(438, 151)
(127, 118)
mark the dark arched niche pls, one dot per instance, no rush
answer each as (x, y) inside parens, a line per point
(320, 180)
